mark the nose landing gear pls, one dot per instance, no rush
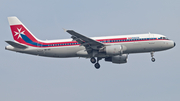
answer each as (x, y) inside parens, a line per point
(152, 59)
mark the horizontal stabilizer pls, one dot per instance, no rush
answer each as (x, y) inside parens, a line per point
(16, 45)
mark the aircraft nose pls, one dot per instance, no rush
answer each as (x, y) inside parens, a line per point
(174, 44)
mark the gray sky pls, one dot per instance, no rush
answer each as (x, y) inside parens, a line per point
(32, 78)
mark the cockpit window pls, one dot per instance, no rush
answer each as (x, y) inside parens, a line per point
(163, 38)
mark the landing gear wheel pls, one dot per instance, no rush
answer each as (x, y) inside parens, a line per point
(93, 60)
(97, 65)
(153, 59)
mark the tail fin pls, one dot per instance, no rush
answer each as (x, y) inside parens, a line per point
(20, 33)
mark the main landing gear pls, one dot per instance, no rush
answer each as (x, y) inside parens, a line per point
(152, 59)
(93, 60)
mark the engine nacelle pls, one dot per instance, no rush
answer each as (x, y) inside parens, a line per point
(118, 59)
(114, 50)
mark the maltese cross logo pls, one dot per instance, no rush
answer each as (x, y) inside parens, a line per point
(19, 33)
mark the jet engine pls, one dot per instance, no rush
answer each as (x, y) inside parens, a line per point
(118, 59)
(114, 50)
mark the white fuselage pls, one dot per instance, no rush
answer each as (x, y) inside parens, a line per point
(113, 49)
(131, 44)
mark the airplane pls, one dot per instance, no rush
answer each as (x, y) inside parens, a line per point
(113, 49)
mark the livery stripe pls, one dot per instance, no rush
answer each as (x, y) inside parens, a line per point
(73, 43)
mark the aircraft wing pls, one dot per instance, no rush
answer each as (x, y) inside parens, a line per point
(85, 41)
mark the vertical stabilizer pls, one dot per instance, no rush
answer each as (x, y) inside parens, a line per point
(20, 33)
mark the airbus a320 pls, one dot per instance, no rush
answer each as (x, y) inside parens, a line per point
(113, 49)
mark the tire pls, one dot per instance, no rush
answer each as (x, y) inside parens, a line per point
(153, 59)
(93, 60)
(97, 65)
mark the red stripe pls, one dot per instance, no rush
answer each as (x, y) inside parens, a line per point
(96, 40)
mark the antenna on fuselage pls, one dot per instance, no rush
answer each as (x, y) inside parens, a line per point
(149, 34)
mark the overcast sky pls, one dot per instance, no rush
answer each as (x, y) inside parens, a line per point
(32, 78)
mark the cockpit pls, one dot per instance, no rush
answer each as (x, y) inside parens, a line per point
(164, 38)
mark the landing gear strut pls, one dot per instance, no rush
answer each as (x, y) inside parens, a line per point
(93, 60)
(152, 59)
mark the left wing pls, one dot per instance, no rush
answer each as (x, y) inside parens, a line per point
(85, 41)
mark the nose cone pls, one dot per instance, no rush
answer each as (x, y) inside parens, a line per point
(174, 44)
(170, 44)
